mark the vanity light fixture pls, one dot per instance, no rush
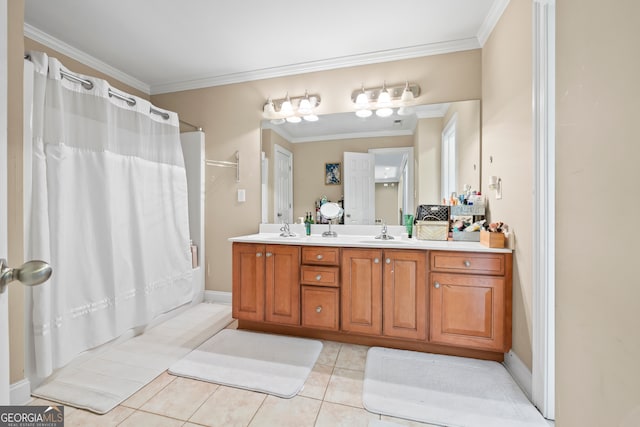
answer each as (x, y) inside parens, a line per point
(291, 109)
(384, 99)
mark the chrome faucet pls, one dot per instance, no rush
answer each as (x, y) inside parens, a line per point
(286, 232)
(383, 234)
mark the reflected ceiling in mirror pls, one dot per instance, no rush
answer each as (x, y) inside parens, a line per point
(347, 125)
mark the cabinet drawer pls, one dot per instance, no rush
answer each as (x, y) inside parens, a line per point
(320, 307)
(468, 262)
(320, 276)
(320, 256)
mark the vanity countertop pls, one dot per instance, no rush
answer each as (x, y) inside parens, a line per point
(348, 237)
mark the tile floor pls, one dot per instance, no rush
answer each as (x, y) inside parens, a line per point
(332, 396)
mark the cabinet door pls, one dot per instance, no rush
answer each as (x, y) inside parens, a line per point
(404, 294)
(282, 302)
(248, 281)
(361, 291)
(467, 311)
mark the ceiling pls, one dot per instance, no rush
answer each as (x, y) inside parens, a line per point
(160, 46)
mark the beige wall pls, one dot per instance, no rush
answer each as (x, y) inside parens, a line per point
(231, 114)
(388, 204)
(507, 139)
(597, 154)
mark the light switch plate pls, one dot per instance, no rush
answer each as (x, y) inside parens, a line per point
(242, 197)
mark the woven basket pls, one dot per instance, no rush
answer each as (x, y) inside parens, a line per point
(432, 230)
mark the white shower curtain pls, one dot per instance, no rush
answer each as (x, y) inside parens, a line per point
(109, 211)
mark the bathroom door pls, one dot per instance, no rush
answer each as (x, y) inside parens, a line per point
(359, 188)
(283, 185)
(4, 309)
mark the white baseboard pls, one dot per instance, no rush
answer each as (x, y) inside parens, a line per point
(519, 371)
(20, 392)
(217, 297)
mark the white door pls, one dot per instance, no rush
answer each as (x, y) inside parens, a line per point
(4, 309)
(359, 188)
(283, 185)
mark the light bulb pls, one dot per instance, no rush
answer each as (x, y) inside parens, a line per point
(407, 95)
(384, 112)
(269, 110)
(294, 119)
(364, 113)
(305, 106)
(384, 99)
(310, 118)
(286, 108)
(362, 101)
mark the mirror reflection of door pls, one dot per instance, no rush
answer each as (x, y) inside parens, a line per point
(449, 158)
(283, 185)
(359, 188)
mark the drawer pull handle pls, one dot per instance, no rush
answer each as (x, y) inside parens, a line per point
(319, 256)
(318, 309)
(467, 263)
(269, 254)
(388, 261)
(319, 277)
(259, 254)
(436, 285)
(376, 261)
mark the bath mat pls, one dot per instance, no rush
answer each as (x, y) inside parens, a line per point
(272, 364)
(104, 378)
(445, 390)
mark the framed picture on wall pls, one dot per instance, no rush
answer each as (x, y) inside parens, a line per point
(332, 173)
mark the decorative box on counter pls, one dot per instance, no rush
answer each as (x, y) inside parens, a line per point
(432, 222)
(491, 240)
(466, 236)
(432, 230)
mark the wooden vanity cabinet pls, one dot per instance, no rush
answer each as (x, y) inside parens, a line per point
(384, 292)
(436, 301)
(266, 283)
(470, 300)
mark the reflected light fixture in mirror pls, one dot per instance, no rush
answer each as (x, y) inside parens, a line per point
(384, 99)
(291, 109)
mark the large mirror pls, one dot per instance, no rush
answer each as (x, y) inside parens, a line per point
(417, 159)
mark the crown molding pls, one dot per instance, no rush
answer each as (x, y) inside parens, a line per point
(495, 12)
(324, 65)
(266, 73)
(83, 57)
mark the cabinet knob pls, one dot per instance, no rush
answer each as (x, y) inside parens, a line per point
(268, 254)
(467, 263)
(319, 256)
(436, 285)
(319, 277)
(259, 254)
(388, 261)
(376, 260)
(318, 309)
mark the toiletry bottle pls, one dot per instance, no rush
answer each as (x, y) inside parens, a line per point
(307, 224)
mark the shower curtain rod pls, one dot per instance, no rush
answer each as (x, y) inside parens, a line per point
(198, 128)
(88, 84)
